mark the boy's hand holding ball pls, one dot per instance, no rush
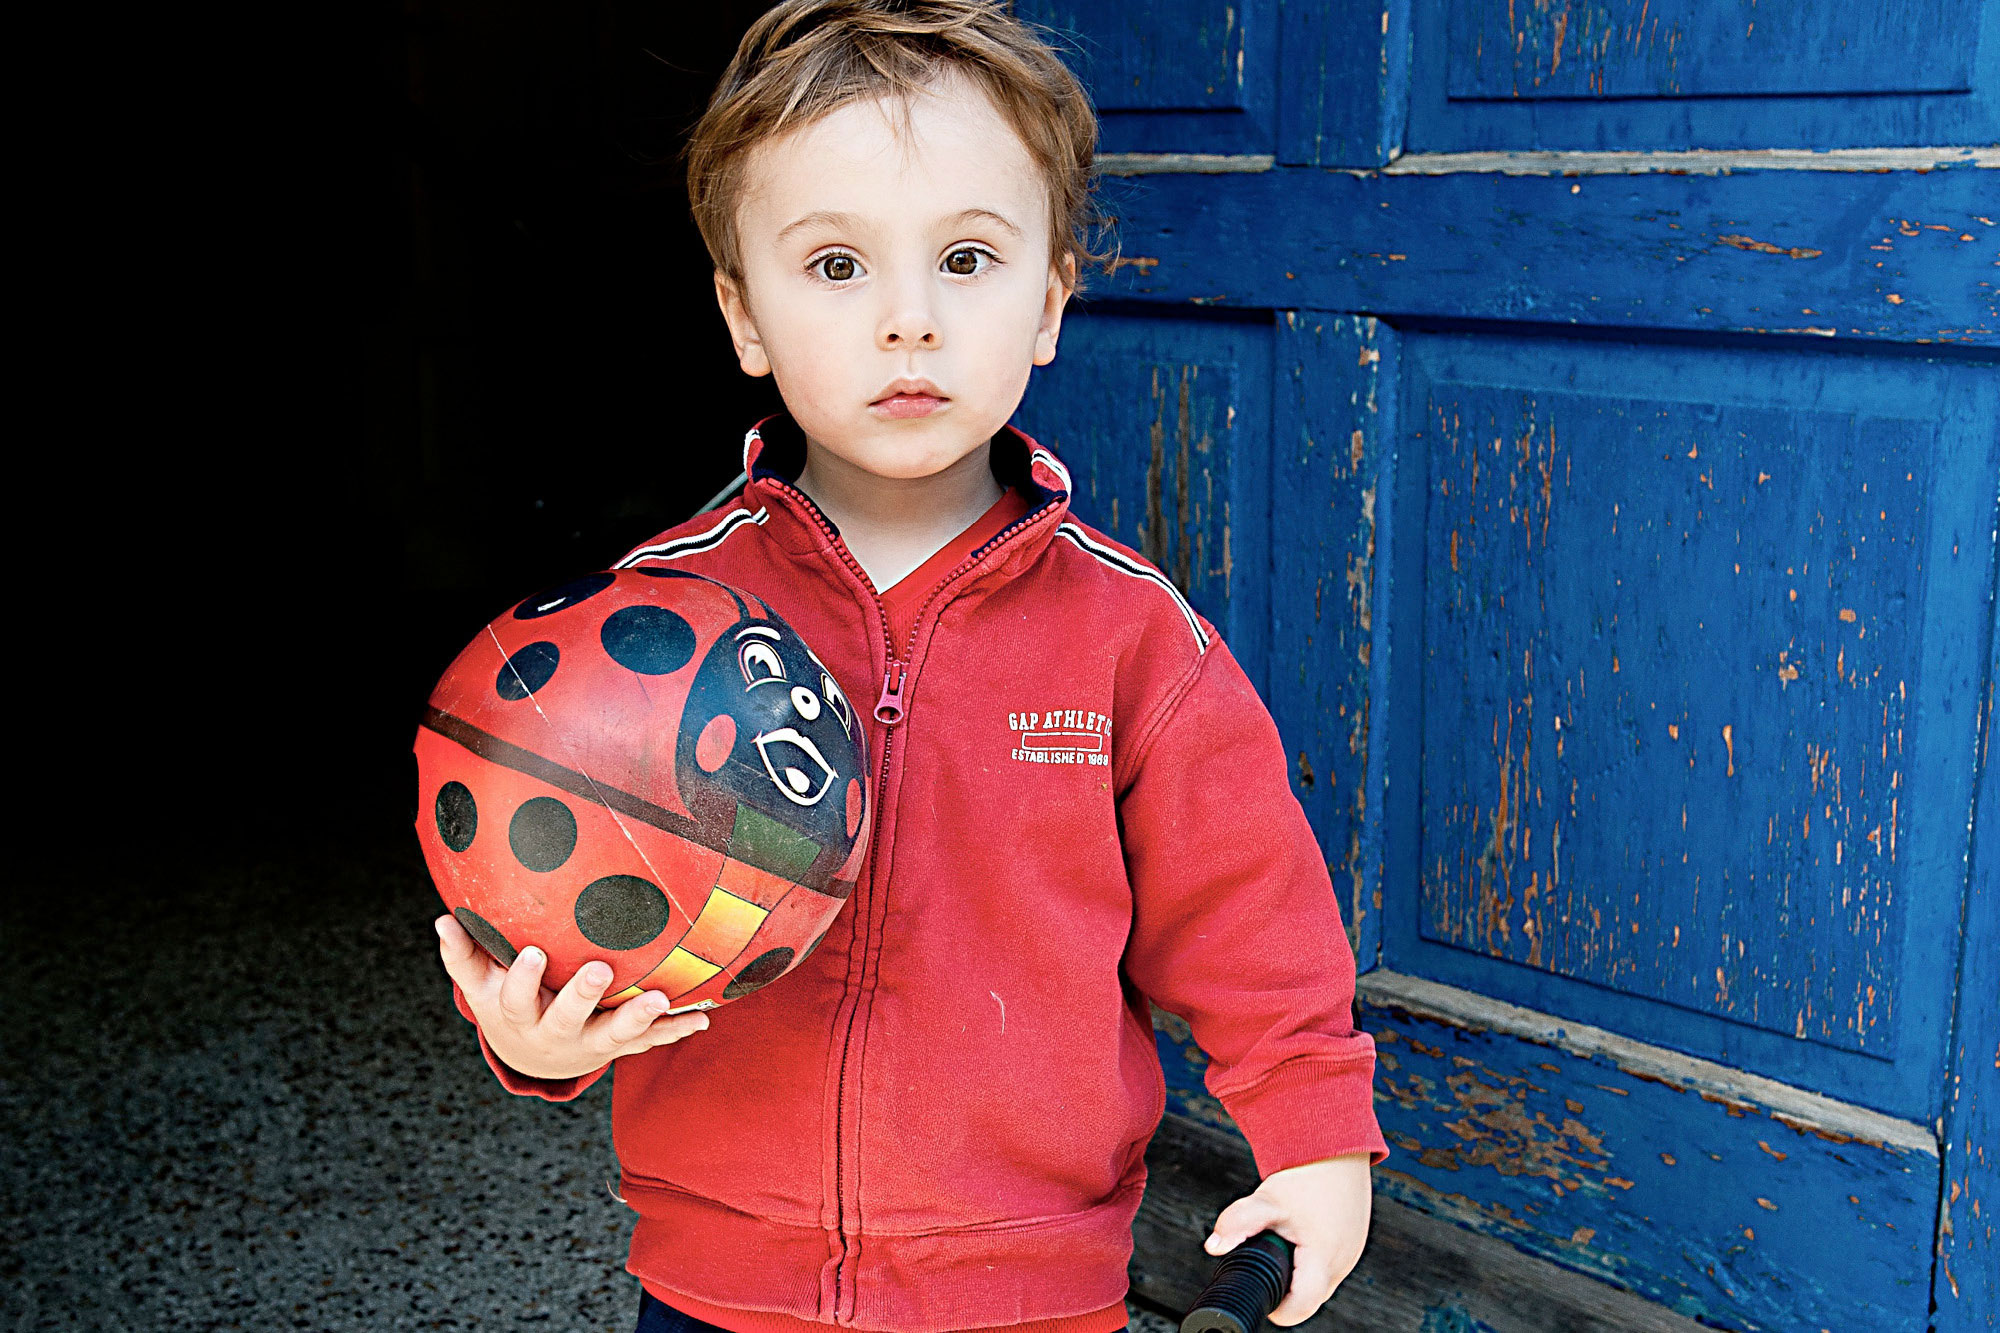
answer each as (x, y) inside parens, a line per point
(554, 1034)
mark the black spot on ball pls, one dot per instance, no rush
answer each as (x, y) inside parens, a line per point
(527, 671)
(764, 969)
(457, 815)
(813, 947)
(658, 572)
(650, 640)
(563, 596)
(542, 834)
(488, 938)
(621, 912)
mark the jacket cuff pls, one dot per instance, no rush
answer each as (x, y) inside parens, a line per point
(521, 1085)
(1310, 1109)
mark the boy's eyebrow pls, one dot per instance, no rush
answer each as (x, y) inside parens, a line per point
(828, 218)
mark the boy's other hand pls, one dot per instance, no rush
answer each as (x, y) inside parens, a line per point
(1322, 1209)
(554, 1034)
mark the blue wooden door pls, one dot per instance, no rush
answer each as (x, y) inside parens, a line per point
(1583, 420)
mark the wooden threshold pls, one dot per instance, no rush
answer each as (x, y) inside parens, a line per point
(1419, 1273)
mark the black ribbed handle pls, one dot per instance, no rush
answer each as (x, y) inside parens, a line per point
(1247, 1286)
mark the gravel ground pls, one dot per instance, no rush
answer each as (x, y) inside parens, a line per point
(235, 1097)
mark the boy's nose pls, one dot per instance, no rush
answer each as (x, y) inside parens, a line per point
(909, 323)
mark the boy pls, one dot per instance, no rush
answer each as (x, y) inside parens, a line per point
(938, 1120)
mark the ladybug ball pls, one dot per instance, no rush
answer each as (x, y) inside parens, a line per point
(649, 767)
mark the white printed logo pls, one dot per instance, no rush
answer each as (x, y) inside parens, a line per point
(1064, 736)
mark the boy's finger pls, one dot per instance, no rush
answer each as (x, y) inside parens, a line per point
(521, 992)
(1240, 1221)
(461, 956)
(665, 1032)
(630, 1020)
(577, 1001)
(1312, 1284)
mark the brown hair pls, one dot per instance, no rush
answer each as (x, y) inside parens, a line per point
(804, 58)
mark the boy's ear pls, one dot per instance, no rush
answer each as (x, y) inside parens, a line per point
(742, 331)
(1062, 281)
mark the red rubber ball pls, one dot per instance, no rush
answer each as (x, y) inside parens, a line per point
(648, 767)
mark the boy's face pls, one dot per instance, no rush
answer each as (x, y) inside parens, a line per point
(870, 259)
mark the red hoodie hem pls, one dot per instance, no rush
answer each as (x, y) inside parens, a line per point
(1060, 1269)
(1107, 1320)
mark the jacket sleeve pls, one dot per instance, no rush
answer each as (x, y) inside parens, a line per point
(1236, 927)
(548, 1089)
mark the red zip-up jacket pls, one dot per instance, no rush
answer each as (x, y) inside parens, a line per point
(938, 1121)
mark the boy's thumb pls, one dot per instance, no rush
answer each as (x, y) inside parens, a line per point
(1239, 1222)
(452, 939)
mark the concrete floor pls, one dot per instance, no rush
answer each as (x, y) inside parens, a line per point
(235, 1096)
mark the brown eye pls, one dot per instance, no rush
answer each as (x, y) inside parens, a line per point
(963, 263)
(837, 268)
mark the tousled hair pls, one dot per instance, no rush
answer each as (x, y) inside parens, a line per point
(804, 58)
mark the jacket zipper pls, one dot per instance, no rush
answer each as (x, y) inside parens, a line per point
(890, 709)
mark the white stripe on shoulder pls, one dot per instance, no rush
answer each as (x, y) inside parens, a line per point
(706, 540)
(1124, 564)
(1053, 464)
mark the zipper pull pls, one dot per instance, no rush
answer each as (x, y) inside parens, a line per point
(889, 708)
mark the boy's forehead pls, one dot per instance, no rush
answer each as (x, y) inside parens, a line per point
(930, 161)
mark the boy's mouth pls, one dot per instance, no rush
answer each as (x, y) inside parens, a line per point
(908, 404)
(909, 398)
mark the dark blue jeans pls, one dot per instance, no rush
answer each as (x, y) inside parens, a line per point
(656, 1316)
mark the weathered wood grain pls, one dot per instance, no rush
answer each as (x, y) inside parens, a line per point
(1198, 62)
(1166, 430)
(1334, 404)
(1896, 256)
(1966, 1287)
(1696, 162)
(1693, 654)
(1727, 1198)
(1419, 1274)
(1760, 724)
(1201, 76)
(1346, 70)
(1684, 48)
(1687, 74)
(1860, 299)
(1704, 1201)
(1797, 1108)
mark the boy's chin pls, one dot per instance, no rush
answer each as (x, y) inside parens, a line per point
(907, 449)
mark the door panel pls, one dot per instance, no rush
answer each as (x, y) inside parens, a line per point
(1334, 414)
(1681, 628)
(1687, 48)
(1728, 1201)
(1679, 74)
(1199, 76)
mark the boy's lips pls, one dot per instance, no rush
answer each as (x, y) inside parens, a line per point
(908, 404)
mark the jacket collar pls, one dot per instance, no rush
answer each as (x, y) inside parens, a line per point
(774, 453)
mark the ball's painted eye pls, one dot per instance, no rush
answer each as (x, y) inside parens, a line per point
(806, 702)
(837, 702)
(760, 664)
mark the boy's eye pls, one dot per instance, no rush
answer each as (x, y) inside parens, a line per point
(964, 261)
(837, 267)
